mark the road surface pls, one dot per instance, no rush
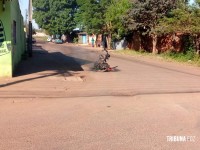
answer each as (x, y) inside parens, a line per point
(56, 101)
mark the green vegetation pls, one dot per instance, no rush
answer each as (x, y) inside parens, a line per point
(56, 17)
(90, 15)
(184, 19)
(123, 18)
(114, 18)
(75, 40)
(132, 52)
(189, 57)
(144, 16)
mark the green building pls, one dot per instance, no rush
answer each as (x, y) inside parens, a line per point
(12, 37)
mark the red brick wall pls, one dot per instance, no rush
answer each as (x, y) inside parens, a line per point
(164, 43)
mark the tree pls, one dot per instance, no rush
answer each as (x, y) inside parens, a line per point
(102, 16)
(145, 16)
(55, 16)
(114, 17)
(184, 19)
(91, 15)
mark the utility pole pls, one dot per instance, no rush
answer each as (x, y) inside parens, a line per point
(26, 19)
(30, 10)
(26, 23)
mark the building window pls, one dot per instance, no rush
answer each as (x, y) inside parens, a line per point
(14, 32)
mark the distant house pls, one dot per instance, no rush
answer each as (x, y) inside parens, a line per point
(83, 38)
(12, 37)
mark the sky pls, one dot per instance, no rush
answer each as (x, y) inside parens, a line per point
(24, 6)
(191, 1)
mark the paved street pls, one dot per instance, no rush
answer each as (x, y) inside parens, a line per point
(56, 101)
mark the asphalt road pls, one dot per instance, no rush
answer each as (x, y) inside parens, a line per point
(56, 101)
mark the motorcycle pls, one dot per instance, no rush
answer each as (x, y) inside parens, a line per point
(101, 64)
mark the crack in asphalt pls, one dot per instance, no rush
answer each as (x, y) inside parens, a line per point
(107, 95)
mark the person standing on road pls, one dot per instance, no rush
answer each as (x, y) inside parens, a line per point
(92, 42)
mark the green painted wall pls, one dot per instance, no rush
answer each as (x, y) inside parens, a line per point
(14, 45)
(5, 53)
(19, 46)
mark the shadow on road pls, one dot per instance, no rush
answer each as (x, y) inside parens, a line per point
(55, 63)
(42, 60)
(27, 79)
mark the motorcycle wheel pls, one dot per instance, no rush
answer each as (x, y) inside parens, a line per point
(104, 66)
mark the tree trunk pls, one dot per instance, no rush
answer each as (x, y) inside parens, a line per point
(197, 42)
(140, 42)
(96, 44)
(155, 39)
(108, 38)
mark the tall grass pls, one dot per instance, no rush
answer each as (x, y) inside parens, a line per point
(189, 56)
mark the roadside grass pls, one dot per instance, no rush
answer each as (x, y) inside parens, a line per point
(190, 57)
(133, 52)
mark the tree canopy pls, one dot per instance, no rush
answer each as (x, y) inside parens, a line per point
(114, 17)
(118, 17)
(144, 15)
(90, 15)
(184, 19)
(55, 16)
